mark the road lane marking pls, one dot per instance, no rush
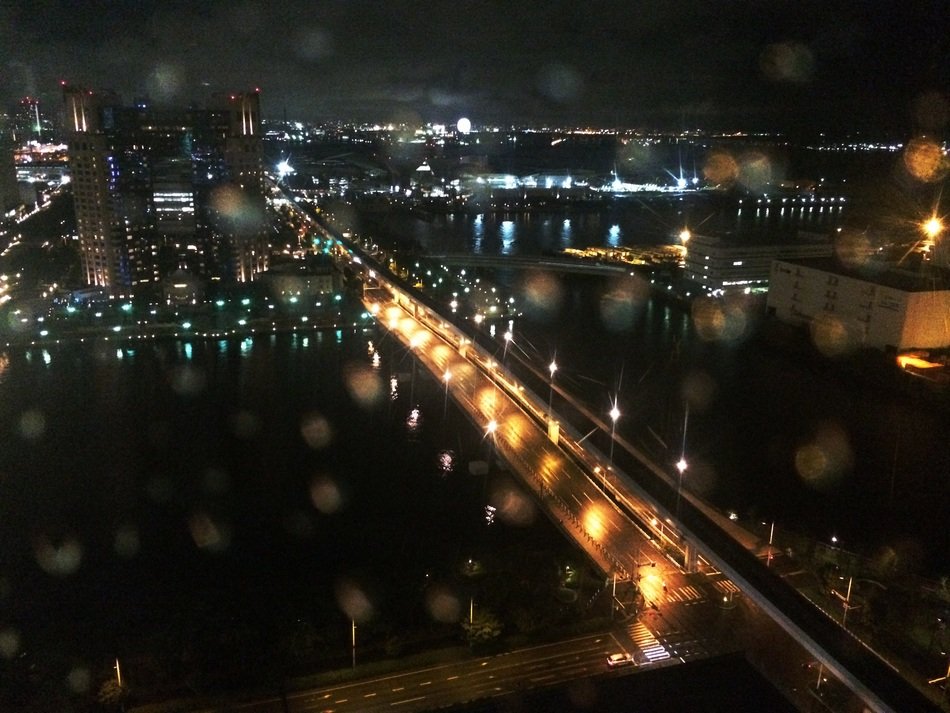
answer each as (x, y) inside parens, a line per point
(427, 683)
(368, 695)
(401, 688)
(451, 678)
(408, 700)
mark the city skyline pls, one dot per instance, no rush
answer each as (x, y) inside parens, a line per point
(791, 67)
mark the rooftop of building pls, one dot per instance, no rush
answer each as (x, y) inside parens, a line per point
(913, 277)
(762, 239)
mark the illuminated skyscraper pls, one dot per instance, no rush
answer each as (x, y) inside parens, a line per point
(9, 192)
(27, 124)
(158, 190)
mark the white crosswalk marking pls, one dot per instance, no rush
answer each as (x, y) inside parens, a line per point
(726, 587)
(652, 649)
(684, 594)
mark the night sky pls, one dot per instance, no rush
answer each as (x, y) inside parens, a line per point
(812, 65)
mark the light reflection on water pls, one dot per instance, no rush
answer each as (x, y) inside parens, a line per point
(637, 221)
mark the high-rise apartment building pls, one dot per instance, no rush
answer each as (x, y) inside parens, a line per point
(9, 191)
(158, 190)
(27, 122)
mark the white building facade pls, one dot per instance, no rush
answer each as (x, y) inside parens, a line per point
(720, 265)
(892, 310)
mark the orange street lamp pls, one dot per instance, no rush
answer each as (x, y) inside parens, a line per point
(614, 415)
(932, 227)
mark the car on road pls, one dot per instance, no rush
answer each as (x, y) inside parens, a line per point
(622, 659)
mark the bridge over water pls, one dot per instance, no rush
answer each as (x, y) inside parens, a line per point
(555, 461)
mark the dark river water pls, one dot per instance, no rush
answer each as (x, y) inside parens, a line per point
(180, 504)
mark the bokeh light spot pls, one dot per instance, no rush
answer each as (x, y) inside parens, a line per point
(541, 296)
(443, 604)
(720, 169)
(755, 171)
(787, 62)
(720, 319)
(316, 430)
(326, 495)
(830, 336)
(512, 506)
(924, 160)
(187, 381)
(353, 601)
(561, 83)
(620, 304)
(79, 679)
(364, 385)
(313, 43)
(126, 543)
(32, 424)
(61, 557)
(699, 390)
(825, 459)
(9, 643)
(853, 249)
(209, 534)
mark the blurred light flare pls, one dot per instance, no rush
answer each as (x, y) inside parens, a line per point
(353, 601)
(187, 380)
(325, 495)
(363, 384)
(824, 460)
(443, 604)
(831, 337)
(720, 319)
(924, 160)
(721, 169)
(79, 679)
(61, 557)
(542, 295)
(791, 62)
(317, 431)
(9, 643)
(32, 424)
(208, 533)
(512, 506)
(853, 248)
(126, 543)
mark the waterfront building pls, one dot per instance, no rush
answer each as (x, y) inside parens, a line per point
(723, 264)
(158, 190)
(886, 308)
(303, 280)
(9, 190)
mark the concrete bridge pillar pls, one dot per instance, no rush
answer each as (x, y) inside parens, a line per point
(690, 557)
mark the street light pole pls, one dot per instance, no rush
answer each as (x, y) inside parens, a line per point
(552, 367)
(445, 401)
(614, 415)
(681, 465)
(847, 602)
